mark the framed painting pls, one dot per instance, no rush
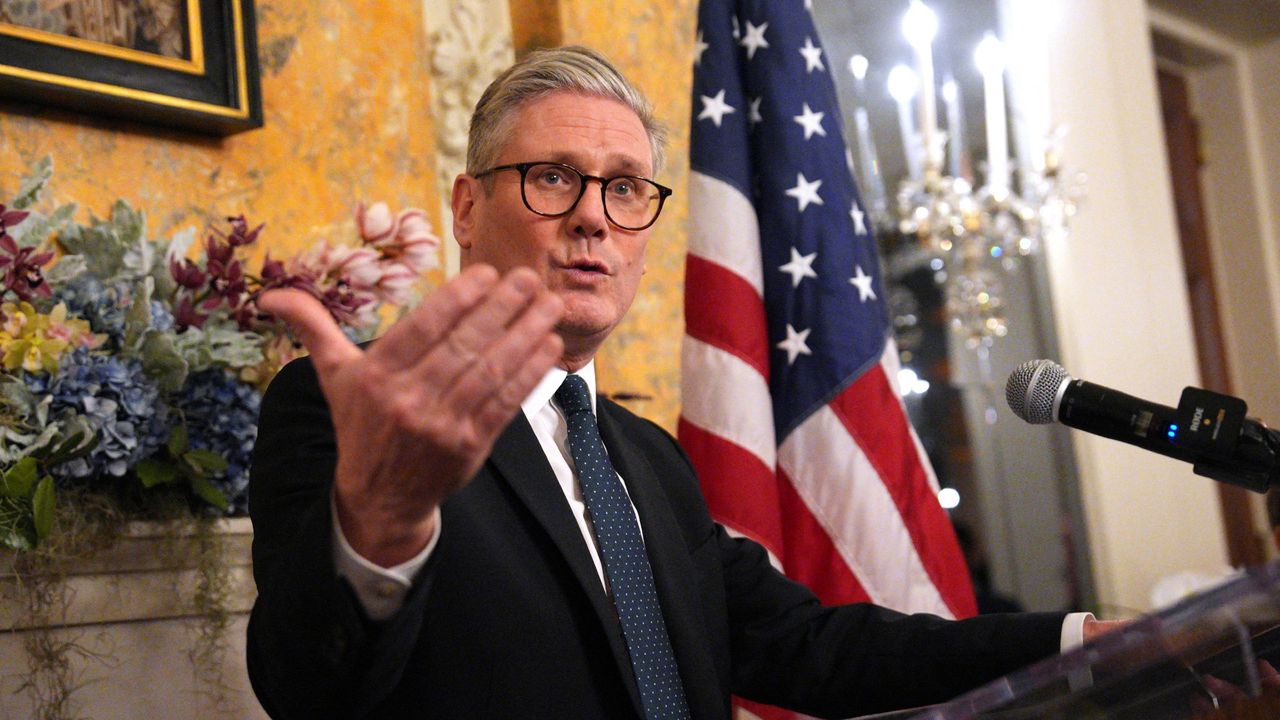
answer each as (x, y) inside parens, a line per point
(184, 63)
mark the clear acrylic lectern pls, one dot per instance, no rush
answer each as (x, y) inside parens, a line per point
(1203, 659)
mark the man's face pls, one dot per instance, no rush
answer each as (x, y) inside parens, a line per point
(592, 264)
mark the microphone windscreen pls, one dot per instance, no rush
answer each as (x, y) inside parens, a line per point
(1032, 388)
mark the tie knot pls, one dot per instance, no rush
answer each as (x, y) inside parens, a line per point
(573, 396)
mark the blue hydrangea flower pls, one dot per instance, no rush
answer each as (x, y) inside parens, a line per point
(104, 306)
(222, 416)
(161, 318)
(119, 401)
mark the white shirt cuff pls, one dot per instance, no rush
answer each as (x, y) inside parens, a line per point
(381, 591)
(1072, 638)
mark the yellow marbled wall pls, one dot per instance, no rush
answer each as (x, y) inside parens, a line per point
(652, 43)
(344, 90)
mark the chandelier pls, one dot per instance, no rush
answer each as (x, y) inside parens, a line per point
(974, 236)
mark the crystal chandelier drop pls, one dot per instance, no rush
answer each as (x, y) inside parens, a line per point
(975, 237)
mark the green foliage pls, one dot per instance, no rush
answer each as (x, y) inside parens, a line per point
(42, 504)
(33, 184)
(17, 519)
(27, 501)
(207, 492)
(163, 361)
(25, 426)
(28, 497)
(182, 463)
(153, 472)
(218, 344)
(68, 267)
(37, 227)
(113, 249)
(20, 478)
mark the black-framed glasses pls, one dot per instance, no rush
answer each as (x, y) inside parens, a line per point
(554, 189)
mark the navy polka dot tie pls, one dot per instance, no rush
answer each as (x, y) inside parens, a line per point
(625, 562)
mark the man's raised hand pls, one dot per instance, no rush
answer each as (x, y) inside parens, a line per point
(416, 413)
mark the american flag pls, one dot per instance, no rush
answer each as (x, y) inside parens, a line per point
(791, 412)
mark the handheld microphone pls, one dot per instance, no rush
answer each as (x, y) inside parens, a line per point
(1207, 429)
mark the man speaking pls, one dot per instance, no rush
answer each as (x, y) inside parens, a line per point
(450, 524)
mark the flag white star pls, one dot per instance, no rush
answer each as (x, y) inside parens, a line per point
(715, 108)
(699, 47)
(862, 281)
(794, 344)
(753, 111)
(808, 5)
(753, 40)
(859, 219)
(811, 122)
(812, 56)
(805, 192)
(737, 33)
(800, 267)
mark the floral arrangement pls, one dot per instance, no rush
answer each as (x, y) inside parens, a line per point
(129, 364)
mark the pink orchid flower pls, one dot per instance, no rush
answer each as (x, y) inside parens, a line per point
(376, 223)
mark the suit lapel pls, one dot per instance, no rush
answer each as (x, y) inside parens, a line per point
(518, 459)
(673, 570)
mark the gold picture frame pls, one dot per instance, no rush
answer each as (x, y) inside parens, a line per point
(191, 64)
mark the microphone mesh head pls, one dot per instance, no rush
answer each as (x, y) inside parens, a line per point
(1032, 389)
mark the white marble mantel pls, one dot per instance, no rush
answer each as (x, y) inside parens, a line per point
(132, 606)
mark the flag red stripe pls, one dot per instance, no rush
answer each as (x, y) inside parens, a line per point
(764, 712)
(811, 557)
(744, 494)
(873, 415)
(845, 494)
(725, 311)
(741, 491)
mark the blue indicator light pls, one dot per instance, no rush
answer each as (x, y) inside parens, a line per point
(1173, 428)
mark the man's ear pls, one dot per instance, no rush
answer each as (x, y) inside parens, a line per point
(466, 192)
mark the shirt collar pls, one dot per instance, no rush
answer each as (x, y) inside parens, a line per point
(551, 382)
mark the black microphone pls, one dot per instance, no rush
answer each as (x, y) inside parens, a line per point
(1208, 429)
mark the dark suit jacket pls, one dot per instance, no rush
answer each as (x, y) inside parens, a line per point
(508, 617)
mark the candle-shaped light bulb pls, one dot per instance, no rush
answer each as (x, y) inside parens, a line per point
(955, 125)
(920, 26)
(858, 65)
(949, 90)
(872, 185)
(989, 56)
(990, 60)
(903, 85)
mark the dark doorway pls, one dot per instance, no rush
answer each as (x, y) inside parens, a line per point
(1182, 139)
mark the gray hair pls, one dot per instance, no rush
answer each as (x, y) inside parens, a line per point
(573, 68)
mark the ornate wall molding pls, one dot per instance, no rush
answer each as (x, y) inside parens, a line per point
(469, 43)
